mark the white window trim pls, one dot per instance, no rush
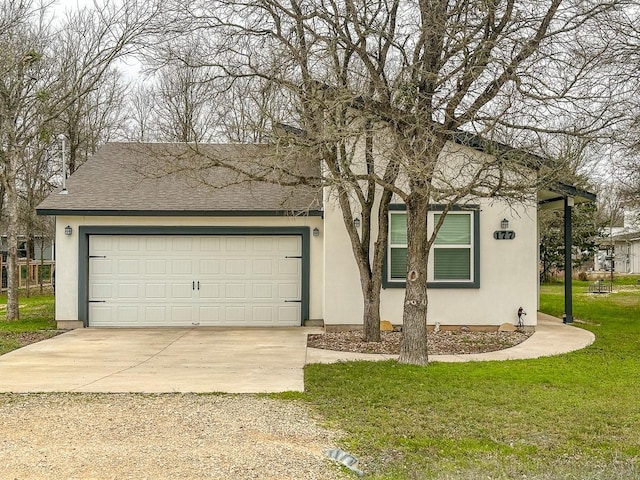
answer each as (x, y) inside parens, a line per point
(395, 245)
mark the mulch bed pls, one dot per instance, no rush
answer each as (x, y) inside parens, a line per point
(444, 342)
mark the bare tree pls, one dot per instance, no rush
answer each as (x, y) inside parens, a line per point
(140, 114)
(35, 177)
(91, 120)
(37, 85)
(245, 109)
(416, 82)
(185, 105)
(22, 102)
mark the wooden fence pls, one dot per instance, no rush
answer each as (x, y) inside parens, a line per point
(33, 273)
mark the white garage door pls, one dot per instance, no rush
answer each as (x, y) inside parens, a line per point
(148, 280)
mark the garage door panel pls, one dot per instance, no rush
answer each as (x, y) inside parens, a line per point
(194, 280)
(289, 245)
(209, 315)
(182, 290)
(101, 266)
(182, 266)
(289, 266)
(100, 314)
(210, 244)
(129, 266)
(236, 244)
(210, 291)
(209, 266)
(263, 244)
(156, 266)
(155, 290)
(288, 314)
(101, 245)
(263, 314)
(129, 244)
(235, 291)
(262, 291)
(127, 314)
(155, 315)
(262, 266)
(182, 244)
(181, 314)
(289, 291)
(128, 291)
(235, 266)
(101, 291)
(155, 244)
(234, 314)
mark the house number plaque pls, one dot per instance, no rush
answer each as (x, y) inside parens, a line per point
(504, 234)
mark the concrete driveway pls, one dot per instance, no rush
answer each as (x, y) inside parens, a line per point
(155, 360)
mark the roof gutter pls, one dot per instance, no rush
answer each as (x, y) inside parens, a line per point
(181, 213)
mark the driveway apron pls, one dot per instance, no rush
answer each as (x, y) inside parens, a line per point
(159, 360)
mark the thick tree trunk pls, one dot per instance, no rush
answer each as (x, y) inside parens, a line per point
(41, 263)
(371, 277)
(12, 240)
(413, 348)
(373, 288)
(371, 315)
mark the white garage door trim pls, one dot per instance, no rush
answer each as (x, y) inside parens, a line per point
(99, 302)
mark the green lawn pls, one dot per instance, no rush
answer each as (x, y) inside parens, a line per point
(36, 314)
(574, 416)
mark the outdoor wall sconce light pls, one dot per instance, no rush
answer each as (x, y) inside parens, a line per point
(356, 222)
(505, 233)
(316, 232)
(68, 230)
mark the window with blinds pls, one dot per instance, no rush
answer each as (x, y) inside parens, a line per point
(452, 248)
(452, 255)
(398, 246)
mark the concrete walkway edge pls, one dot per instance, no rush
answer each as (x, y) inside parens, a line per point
(552, 337)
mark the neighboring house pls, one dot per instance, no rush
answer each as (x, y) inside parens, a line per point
(626, 252)
(138, 245)
(43, 248)
(43, 251)
(624, 243)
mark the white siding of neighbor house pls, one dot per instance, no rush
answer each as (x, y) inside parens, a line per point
(67, 251)
(634, 256)
(627, 256)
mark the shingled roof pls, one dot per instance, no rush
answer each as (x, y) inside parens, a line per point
(181, 179)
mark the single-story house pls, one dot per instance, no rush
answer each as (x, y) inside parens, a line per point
(139, 245)
(626, 252)
(623, 241)
(43, 247)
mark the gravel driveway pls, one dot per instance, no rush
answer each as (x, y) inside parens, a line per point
(169, 436)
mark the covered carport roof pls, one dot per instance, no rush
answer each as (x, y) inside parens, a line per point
(552, 197)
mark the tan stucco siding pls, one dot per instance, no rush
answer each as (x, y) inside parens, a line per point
(508, 268)
(508, 275)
